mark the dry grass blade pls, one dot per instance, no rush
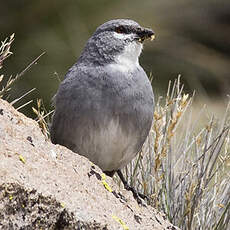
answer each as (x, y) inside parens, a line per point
(12, 80)
(43, 117)
(25, 104)
(5, 49)
(20, 98)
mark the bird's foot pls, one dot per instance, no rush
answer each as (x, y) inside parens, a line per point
(139, 197)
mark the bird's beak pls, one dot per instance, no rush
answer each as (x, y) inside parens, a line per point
(145, 34)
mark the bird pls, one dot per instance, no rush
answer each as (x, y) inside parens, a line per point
(104, 106)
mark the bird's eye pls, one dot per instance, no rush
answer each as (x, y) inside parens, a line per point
(120, 30)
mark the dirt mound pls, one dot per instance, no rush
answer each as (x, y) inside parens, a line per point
(46, 186)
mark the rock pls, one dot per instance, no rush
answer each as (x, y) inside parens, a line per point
(46, 186)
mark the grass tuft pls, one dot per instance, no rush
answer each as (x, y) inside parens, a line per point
(183, 167)
(4, 54)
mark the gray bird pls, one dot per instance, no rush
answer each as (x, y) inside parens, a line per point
(104, 106)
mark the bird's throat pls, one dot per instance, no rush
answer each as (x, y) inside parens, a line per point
(130, 55)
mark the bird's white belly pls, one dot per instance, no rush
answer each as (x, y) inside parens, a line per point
(110, 148)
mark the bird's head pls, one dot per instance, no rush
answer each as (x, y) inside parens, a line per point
(117, 38)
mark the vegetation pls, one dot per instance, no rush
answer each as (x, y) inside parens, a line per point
(191, 38)
(183, 167)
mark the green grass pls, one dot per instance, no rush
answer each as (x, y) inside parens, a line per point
(184, 164)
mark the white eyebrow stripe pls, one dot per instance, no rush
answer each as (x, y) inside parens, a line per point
(122, 36)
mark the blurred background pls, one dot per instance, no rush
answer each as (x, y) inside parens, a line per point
(192, 39)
